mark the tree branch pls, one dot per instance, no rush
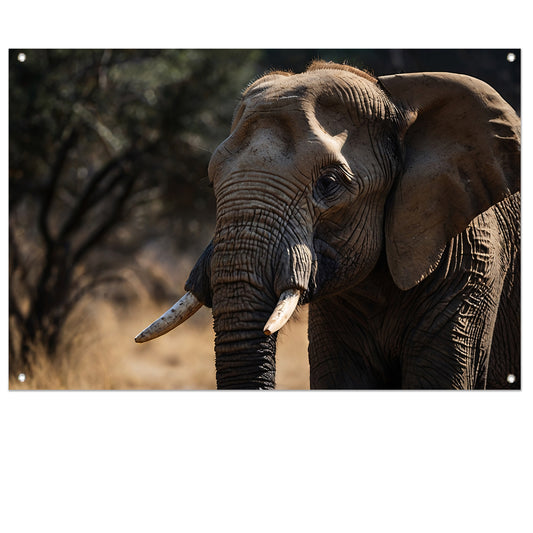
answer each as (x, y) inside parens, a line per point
(17, 264)
(89, 197)
(107, 224)
(88, 287)
(55, 172)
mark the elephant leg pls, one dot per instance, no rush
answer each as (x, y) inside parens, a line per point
(504, 364)
(452, 349)
(443, 369)
(462, 335)
(342, 355)
(334, 367)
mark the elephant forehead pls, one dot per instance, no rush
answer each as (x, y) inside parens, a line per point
(308, 89)
(285, 120)
(288, 136)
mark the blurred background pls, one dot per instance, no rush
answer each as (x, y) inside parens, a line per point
(109, 203)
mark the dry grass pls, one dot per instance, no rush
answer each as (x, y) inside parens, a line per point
(101, 354)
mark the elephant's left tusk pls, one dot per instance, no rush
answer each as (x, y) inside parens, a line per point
(286, 305)
(176, 315)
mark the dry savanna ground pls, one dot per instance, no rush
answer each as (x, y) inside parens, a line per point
(104, 355)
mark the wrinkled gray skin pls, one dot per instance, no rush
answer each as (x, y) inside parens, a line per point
(393, 205)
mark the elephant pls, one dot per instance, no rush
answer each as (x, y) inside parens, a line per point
(390, 206)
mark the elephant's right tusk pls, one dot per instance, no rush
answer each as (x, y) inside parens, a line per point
(176, 315)
(286, 305)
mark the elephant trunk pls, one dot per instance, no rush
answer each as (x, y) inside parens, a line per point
(258, 271)
(245, 356)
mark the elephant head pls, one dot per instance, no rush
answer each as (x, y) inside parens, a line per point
(324, 173)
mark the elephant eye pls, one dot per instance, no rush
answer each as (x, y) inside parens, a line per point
(328, 184)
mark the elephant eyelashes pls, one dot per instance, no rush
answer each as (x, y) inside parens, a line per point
(329, 185)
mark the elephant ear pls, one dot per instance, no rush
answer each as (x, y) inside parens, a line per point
(199, 281)
(462, 155)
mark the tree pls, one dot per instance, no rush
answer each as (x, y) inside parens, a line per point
(104, 146)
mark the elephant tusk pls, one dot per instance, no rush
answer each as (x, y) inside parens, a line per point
(176, 315)
(286, 305)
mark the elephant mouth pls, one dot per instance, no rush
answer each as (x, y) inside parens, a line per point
(324, 271)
